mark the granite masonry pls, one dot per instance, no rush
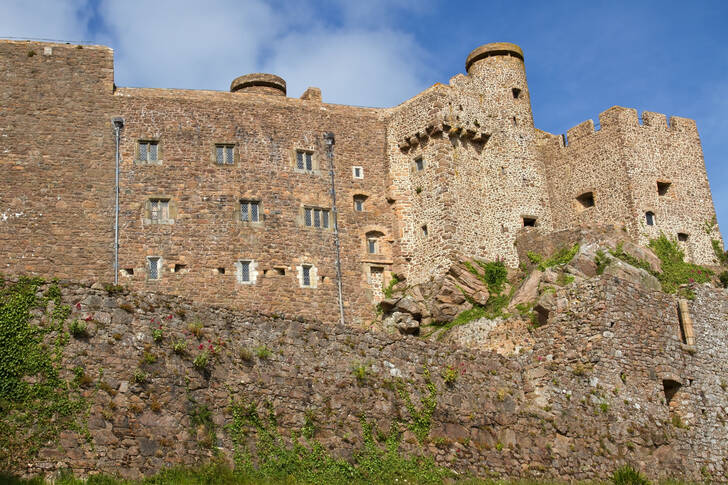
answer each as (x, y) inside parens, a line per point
(225, 197)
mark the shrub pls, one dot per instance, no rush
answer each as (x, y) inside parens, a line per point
(627, 475)
(360, 372)
(721, 255)
(601, 260)
(246, 355)
(157, 334)
(139, 376)
(723, 277)
(148, 358)
(78, 329)
(675, 271)
(561, 256)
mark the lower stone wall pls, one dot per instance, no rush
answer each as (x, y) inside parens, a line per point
(585, 399)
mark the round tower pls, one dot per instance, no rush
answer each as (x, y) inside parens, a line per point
(259, 83)
(500, 73)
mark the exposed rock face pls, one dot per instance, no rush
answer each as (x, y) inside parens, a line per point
(638, 276)
(528, 292)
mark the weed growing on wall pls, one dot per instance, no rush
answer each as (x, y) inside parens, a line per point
(675, 271)
(420, 418)
(561, 256)
(721, 256)
(36, 404)
(389, 289)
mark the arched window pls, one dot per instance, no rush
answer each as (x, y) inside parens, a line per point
(650, 218)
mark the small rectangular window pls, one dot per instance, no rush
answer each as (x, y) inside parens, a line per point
(304, 160)
(586, 200)
(148, 151)
(424, 230)
(358, 204)
(245, 271)
(153, 268)
(419, 164)
(315, 217)
(357, 172)
(224, 154)
(516, 93)
(158, 210)
(250, 211)
(306, 275)
(682, 237)
(529, 221)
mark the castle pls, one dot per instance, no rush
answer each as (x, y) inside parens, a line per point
(253, 199)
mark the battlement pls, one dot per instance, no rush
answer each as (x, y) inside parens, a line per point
(625, 119)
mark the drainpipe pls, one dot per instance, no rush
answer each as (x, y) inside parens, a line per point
(118, 125)
(329, 138)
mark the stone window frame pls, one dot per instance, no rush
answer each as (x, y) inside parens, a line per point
(148, 141)
(222, 144)
(238, 214)
(354, 170)
(252, 266)
(312, 271)
(159, 265)
(373, 239)
(315, 167)
(650, 218)
(171, 211)
(313, 208)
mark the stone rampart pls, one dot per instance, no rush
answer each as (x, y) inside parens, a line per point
(586, 393)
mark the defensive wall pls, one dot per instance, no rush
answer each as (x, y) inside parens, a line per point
(608, 380)
(226, 196)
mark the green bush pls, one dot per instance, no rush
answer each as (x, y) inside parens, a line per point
(561, 256)
(627, 475)
(78, 329)
(675, 271)
(724, 279)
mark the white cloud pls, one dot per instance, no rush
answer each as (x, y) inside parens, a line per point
(44, 19)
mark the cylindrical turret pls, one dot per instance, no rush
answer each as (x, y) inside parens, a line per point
(259, 83)
(499, 70)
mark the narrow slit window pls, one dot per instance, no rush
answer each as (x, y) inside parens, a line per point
(424, 230)
(650, 218)
(306, 275)
(153, 268)
(245, 271)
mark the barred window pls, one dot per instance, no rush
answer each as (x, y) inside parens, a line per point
(316, 217)
(224, 154)
(306, 275)
(158, 209)
(148, 151)
(153, 269)
(304, 160)
(250, 210)
(244, 271)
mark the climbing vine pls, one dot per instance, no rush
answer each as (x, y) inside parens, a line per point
(36, 403)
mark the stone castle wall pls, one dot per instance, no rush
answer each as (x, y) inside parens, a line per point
(584, 395)
(486, 172)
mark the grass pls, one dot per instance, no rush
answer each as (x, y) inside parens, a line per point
(561, 256)
(675, 271)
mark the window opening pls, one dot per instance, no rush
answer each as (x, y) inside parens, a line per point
(280, 271)
(670, 388)
(224, 154)
(179, 267)
(250, 211)
(682, 237)
(128, 271)
(663, 188)
(650, 218)
(148, 151)
(158, 209)
(516, 93)
(153, 268)
(586, 200)
(316, 217)
(359, 202)
(221, 270)
(357, 172)
(306, 275)
(372, 245)
(304, 160)
(529, 222)
(424, 230)
(419, 164)
(244, 275)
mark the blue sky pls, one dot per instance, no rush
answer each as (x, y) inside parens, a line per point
(581, 57)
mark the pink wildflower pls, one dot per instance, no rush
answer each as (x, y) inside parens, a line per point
(78, 305)
(201, 346)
